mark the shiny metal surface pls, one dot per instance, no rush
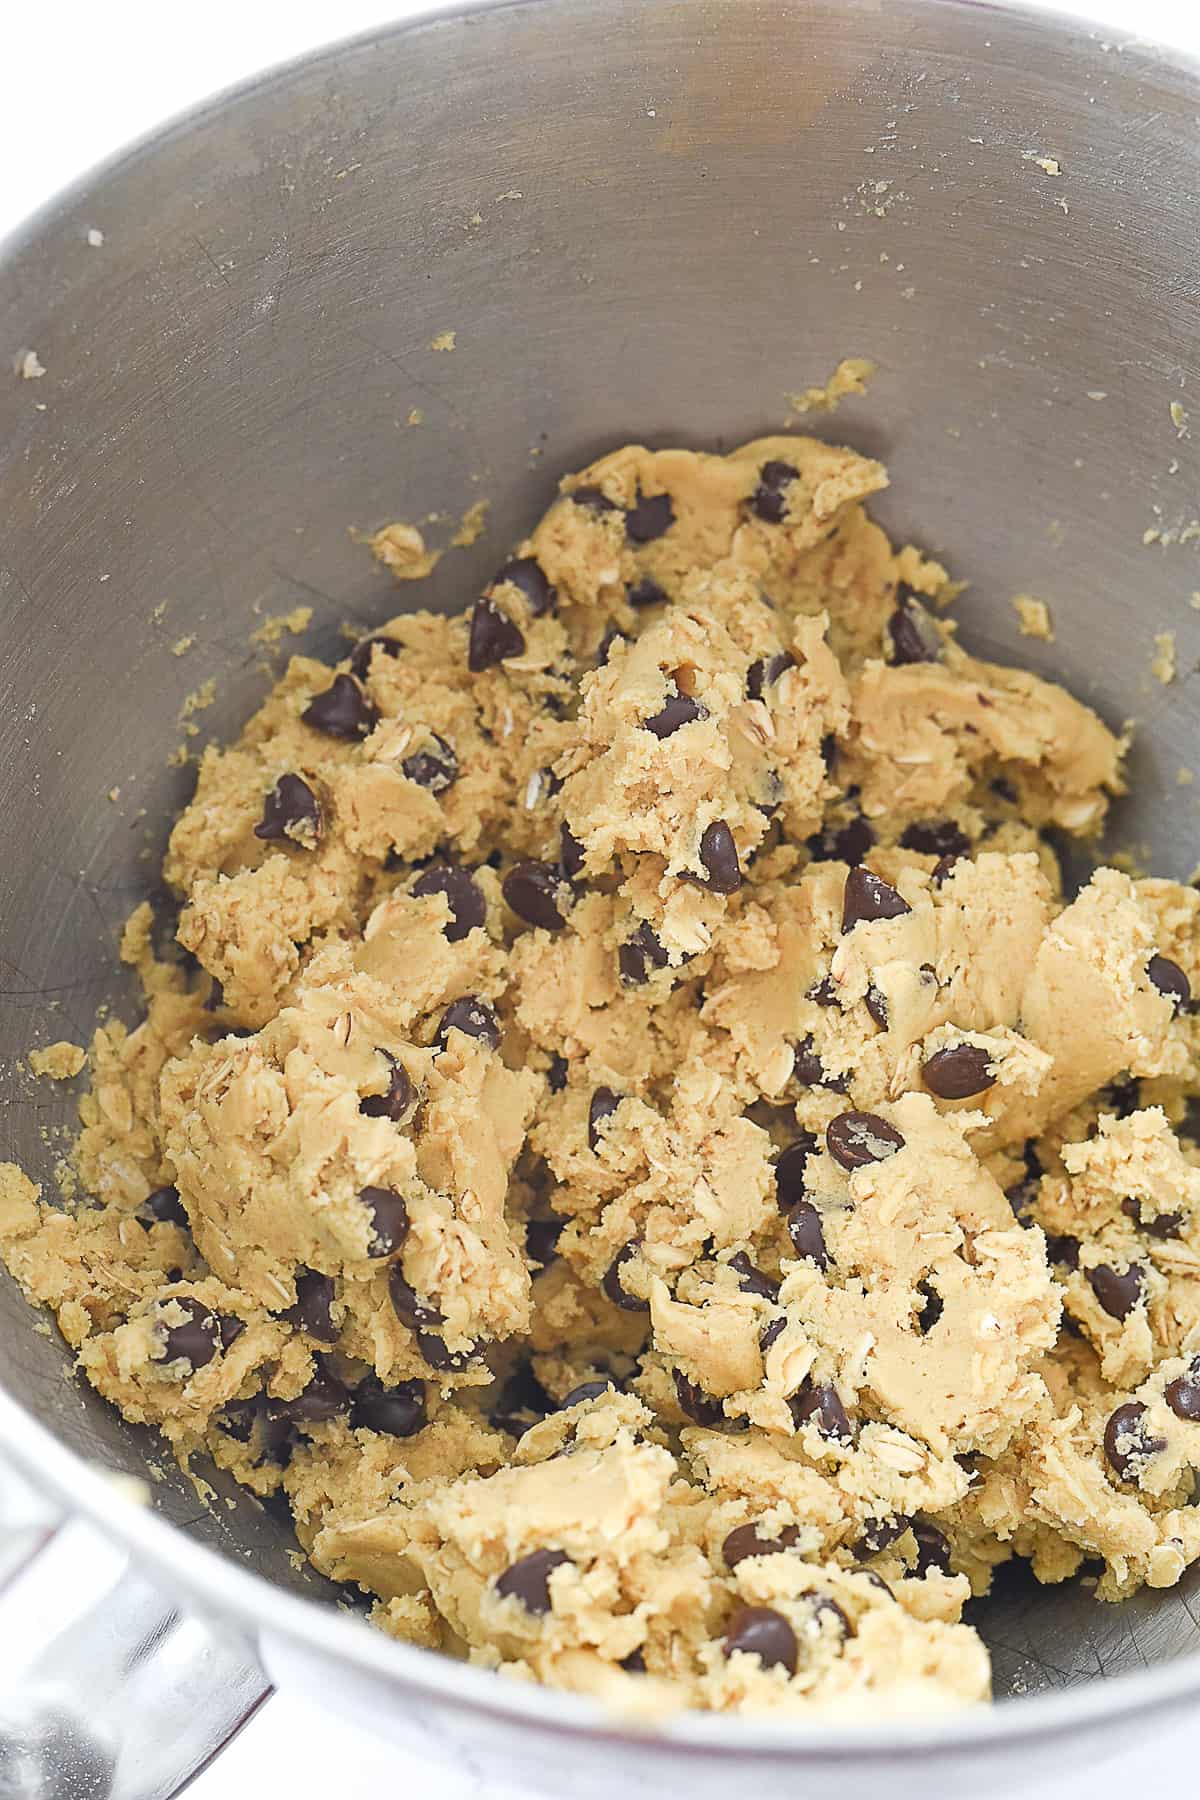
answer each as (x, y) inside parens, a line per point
(686, 210)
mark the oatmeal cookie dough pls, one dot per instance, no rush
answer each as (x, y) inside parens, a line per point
(640, 1152)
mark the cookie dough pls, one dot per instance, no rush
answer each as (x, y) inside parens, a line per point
(636, 1146)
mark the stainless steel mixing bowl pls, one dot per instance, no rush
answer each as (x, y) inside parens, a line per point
(646, 218)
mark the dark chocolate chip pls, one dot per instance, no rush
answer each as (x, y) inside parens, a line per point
(958, 1071)
(915, 637)
(312, 1311)
(195, 1341)
(789, 1171)
(604, 647)
(464, 897)
(474, 1018)
(364, 650)
(1124, 1096)
(645, 593)
(612, 1285)
(866, 897)
(768, 501)
(1129, 1442)
(638, 955)
(396, 1099)
(718, 854)
(389, 1219)
(526, 573)
(594, 498)
(164, 1207)
(493, 637)
(417, 1314)
(229, 1329)
(649, 517)
(571, 853)
(855, 1139)
(877, 1534)
(291, 812)
(1183, 1394)
(342, 711)
(397, 1411)
(434, 770)
(823, 992)
(635, 1662)
(1003, 789)
(825, 1607)
(1117, 1290)
(522, 1402)
(439, 1356)
(829, 751)
(933, 1308)
(528, 1579)
(809, 1070)
(556, 1074)
(752, 1280)
(765, 672)
(541, 1240)
(818, 1403)
(1170, 981)
(1157, 1225)
(1021, 1197)
(532, 890)
(761, 1631)
(943, 868)
(877, 1006)
(771, 1331)
(1063, 1249)
(743, 1542)
(807, 1233)
(678, 710)
(603, 1104)
(936, 837)
(933, 1549)
(699, 1407)
(324, 1398)
(847, 843)
(588, 1390)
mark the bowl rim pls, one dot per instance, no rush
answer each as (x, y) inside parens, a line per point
(86, 1488)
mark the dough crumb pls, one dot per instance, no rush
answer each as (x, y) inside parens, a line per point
(1033, 618)
(182, 645)
(416, 416)
(28, 365)
(401, 548)
(1163, 662)
(1184, 777)
(274, 627)
(1049, 165)
(445, 340)
(851, 376)
(1179, 417)
(58, 1062)
(473, 525)
(95, 238)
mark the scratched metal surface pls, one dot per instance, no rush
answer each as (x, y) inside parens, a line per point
(683, 217)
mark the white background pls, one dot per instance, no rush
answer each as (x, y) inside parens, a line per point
(77, 80)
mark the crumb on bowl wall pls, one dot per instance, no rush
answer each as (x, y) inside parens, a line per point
(58, 1062)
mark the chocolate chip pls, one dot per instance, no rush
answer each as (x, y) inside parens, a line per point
(541, 1240)
(603, 648)
(1063, 1249)
(752, 1280)
(571, 853)
(774, 1329)
(855, 1139)
(434, 770)
(593, 498)
(528, 1579)
(342, 711)
(312, 1311)
(765, 672)
(556, 1074)
(526, 573)
(532, 891)
(364, 650)
(603, 1104)
(1003, 789)
(521, 1403)
(463, 896)
(915, 637)
(768, 501)
(290, 811)
(829, 752)
(876, 1004)
(699, 1407)
(439, 1356)
(1124, 1096)
(397, 1411)
(823, 992)
(229, 1329)
(493, 637)
(818, 1403)
(877, 1534)
(933, 1308)
(1157, 1225)
(389, 1219)
(808, 1234)
(474, 1018)
(678, 710)
(635, 1662)
(164, 1207)
(809, 1070)
(943, 868)
(417, 1314)
(1021, 1197)
(825, 1607)
(1117, 1290)
(324, 1398)
(649, 517)
(933, 1549)
(1183, 1394)
(396, 1099)
(612, 1286)
(761, 1631)
(743, 1542)
(866, 897)
(195, 1341)
(1170, 981)
(789, 1171)
(847, 843)
(936, 837)
(588, 1390)
(958, 1071)
(1129, 1443)
(645, 593)
(638, 955)
(718, 854)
